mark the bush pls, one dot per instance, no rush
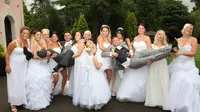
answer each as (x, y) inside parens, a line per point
(2, 51)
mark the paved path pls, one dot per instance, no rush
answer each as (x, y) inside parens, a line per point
(64, 104)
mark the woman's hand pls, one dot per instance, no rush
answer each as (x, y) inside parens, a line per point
(149, 62)
(176, 54)
(8, 69)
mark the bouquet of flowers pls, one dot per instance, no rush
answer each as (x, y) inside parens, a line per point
(90, 46)
(175, 47)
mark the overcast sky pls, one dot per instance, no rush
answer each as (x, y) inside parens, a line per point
(185, 2)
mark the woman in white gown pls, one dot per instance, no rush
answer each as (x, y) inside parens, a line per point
(103, 42)
(78, 70)
(16, 66)
(133, 84)
(185, 82)
(158, 79)
(38, 79)
(95, 91)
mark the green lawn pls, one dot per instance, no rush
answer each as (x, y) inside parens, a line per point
(197, 59)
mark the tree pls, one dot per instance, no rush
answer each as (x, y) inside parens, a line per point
(197, 3)
(80, 25)
(147, 13)
(194, 18)
(28, 18)
(130, 25)
(172, 16)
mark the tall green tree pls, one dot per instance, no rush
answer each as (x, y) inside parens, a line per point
(172, 16)
(28, 18)
(147, 13)
(130, 25)
(80, 25)
(194, 18)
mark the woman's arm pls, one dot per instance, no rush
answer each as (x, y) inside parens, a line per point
(148, 42)
(100, 43)
(96, 63)
(80, 48)
(60, 45)
(10, 48)
(194, 50)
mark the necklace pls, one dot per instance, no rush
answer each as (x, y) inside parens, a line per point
(23, 43)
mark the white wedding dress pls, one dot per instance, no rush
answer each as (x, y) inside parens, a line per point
(133, 84)
(77, 75)
(106, 61)
(95, 91)
(184, 84)
(16, 78)
(38, 84)
(157, 83)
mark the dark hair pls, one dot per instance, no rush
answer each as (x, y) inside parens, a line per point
(142, 24)
(120, 30)
(34, 32)
(23, 28)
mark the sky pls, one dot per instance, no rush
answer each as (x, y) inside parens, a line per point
(185, 2)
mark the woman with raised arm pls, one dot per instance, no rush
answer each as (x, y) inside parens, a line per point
(184, 89)
(133, 84)
(103, 42)
(16, 67)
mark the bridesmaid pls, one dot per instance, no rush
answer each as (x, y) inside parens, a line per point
(185, 80)
(16, 66)
(118, 74)
(38, 77)
(158, 79)
(133, 84)
(103, 42)
(78, 70)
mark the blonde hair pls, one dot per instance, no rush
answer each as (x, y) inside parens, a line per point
(164, 40)
(45, 30)
(107, 27)
(89, 32)
(185, 26)
(42, 41)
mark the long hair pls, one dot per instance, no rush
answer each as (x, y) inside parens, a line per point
(109, 31)
(42, 41)
(164, 40)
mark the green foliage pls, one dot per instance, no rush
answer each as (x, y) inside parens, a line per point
(2, 51)
(80, 25)
(147, 13)
(131, 24)
(172, 17)
(194, 18)
(197, 4)
(28, 18)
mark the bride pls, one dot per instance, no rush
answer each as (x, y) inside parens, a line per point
(185, 81)
(133, 84)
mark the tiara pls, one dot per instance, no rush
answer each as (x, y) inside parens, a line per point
(103, 25)
(120, 28)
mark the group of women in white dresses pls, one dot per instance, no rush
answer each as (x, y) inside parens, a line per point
(175, 87)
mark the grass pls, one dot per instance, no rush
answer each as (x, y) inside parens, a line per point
(197, 58)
